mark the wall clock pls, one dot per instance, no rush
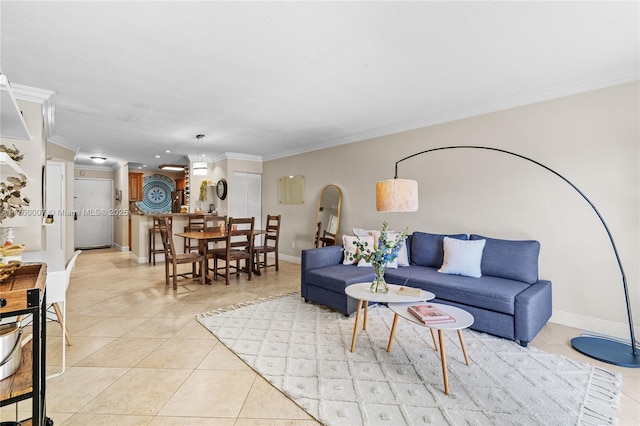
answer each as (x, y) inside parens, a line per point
(221, 189)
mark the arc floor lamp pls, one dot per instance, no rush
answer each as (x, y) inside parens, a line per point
(401, 195)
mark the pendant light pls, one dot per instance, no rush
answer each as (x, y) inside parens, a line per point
(199, 167)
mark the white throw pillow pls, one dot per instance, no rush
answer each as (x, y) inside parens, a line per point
(369, 241)
(349, 244)
(462, 257)
(359, 232)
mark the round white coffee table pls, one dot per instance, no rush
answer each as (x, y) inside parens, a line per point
(463, 320)
(362, 293)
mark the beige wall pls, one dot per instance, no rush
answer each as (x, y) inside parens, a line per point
(82, 172)
(29, 229)
(216, 171)
(591, 138)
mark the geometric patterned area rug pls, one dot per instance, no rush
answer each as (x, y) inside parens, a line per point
(303, 350)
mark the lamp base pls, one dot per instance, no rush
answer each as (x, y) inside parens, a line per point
(606, 350)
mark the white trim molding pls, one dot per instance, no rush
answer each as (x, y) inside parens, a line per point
(591, 324)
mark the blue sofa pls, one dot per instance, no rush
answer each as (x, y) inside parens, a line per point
(508, 300)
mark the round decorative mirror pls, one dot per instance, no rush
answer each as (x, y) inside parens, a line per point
(328, 216)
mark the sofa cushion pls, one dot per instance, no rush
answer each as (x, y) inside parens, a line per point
(462, 257)
(427, 249)
(337, 277)
(511, 259)
(486, 292)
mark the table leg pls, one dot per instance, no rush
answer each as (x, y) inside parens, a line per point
(355, 326)
(202, 248)
(433, 337)
(393, 332)
(443, 360)
(464, 347)
(366, 310)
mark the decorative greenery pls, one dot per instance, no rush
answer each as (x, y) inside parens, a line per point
(386, 251)
(11, 200)
(203, 190)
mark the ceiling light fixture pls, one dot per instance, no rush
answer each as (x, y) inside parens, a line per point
(172, 167)
(99, 160)
(199, 167)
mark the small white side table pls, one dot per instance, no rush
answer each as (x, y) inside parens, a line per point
(463, 320)
(362, 293)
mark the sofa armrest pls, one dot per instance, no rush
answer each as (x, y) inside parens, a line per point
(533, 308)
(318, 258)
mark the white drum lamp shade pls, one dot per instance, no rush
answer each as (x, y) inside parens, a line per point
(199, 168)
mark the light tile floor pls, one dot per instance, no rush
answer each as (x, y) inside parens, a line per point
(139, 357)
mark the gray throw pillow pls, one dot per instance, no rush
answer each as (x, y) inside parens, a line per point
(427, 249)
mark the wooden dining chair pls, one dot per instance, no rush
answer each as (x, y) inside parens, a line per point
(270, 243)
(154, 231)
(175, 259)
(195, 223)
(238, 246)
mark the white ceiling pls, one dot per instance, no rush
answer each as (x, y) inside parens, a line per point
(271, 79)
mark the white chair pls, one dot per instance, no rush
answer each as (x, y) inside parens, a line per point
(57, 284)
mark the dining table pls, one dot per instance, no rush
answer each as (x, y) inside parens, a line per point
(204, 237)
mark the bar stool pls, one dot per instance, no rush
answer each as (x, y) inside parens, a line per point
(153, 231)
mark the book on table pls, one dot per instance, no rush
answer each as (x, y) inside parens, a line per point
(409, 291)
(430, 314)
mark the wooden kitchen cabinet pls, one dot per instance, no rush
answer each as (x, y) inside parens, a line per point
(135, 186)
(180, 184)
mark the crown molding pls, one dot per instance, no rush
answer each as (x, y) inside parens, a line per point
(31, 94)
(243, 157)
(562, 89)
(44, 97)
(225, 156)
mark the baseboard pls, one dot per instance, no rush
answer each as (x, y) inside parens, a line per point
(597, 325)
(291, 259)
(139, 260)
(121, 248)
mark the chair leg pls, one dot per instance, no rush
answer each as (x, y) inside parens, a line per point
(203, 270)
(153, 246)
(56, 308)
(175, 276)
(166, 272)
(277, 260)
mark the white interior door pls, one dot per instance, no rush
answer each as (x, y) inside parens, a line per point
(93, 208)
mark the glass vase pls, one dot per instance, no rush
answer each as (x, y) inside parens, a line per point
(379, 285)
